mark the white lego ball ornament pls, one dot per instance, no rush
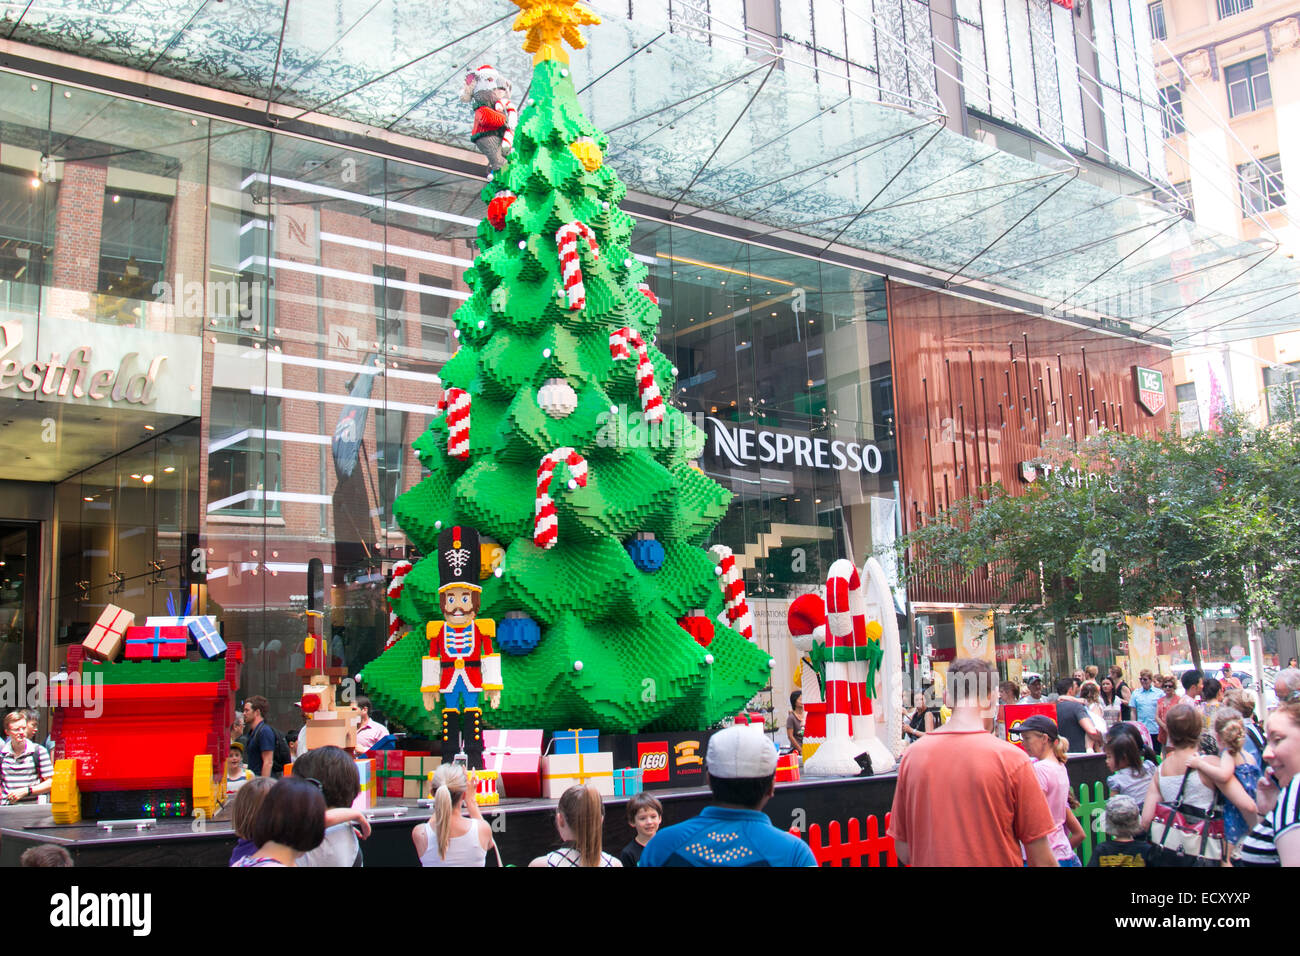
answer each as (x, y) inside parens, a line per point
(577, 665)
(557, 398)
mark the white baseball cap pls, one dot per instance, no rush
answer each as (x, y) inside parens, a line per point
(738, 753)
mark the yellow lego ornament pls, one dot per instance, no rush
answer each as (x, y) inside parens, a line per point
(547, 22)
(588, 153)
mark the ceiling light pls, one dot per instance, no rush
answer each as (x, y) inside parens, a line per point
(147, 479)
(148, 428)
(116, 198)
(168, 470)
(136, 477)
(35, 182)
(87, 498)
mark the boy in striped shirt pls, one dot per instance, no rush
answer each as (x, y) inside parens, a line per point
(26, 770)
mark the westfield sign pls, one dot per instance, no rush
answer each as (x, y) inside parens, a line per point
(133, 381)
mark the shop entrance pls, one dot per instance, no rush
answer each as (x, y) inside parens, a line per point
(20, 574)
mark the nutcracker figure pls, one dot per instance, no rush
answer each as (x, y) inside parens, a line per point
(461, 665)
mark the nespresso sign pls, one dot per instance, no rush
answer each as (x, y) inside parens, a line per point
(746, 446)
(87, 363)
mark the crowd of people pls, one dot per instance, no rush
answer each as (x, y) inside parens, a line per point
(306, 819)
(1194, 780)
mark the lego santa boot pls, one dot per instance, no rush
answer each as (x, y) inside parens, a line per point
(450, 735)
(473, 732)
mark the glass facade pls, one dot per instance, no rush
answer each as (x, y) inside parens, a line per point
(234, 337)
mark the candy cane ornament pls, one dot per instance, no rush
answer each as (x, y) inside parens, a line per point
(507, 108)
(546, 525)
(652, 403)
(456, 403)
(400, 570)
(733, 591)
(646, 291)
(566, 239)
(837, 755)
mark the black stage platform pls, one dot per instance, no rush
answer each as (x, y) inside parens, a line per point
(525, 828)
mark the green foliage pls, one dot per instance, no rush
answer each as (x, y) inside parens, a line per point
(1128, 524)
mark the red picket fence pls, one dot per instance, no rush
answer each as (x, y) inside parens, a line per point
(851, 852)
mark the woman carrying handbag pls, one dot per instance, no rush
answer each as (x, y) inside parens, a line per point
(1183, 806)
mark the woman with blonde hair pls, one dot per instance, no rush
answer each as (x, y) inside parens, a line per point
(449, 837)
(579, 819)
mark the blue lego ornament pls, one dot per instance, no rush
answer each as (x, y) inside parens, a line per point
(646, 553)
(517, 634)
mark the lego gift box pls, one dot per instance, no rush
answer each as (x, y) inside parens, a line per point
(206, 637)
(574, 741)
(751, 719)
(787, 768)
(368, 795)
(517, 756)
(105, 639)
(562, 771)
(416, 771)
(390, 768)
(144, 643)
(627, 781)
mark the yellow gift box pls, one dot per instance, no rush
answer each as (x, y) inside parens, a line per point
(562, 771)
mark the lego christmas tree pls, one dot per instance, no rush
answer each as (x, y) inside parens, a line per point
(557, 445)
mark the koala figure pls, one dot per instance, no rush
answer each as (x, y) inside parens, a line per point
(494, 114)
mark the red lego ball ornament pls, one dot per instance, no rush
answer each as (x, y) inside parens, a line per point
(699, 626)
(496, 211)
(310, 703)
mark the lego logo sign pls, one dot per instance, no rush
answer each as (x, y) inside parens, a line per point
(652, 758)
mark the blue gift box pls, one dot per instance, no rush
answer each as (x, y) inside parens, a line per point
(204, 632)
(627, 781)
(574, 741)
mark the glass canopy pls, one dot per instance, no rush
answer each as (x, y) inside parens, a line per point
(725, 127)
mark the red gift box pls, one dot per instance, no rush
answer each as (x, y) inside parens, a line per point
(517, 756)
(814, 721)
(787, 767)
(389, 766)
(145, 643)
(749, 718)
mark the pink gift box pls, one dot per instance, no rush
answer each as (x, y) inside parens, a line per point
(517, 756)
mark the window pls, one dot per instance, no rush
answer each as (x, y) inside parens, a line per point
(391, 445)
(242, 463)
(1229, 8)
(1156, 11)
(435, 318)
(1282, 391)
(1171, 111)
(389, 301)
(1261, 185)
(133, 243)
(26, 233)
(1248, 86)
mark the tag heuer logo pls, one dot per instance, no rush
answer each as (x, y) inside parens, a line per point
(1150, 389)
(1028, 470)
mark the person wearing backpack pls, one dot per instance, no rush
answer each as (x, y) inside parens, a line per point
(267, 751)
(25, 768)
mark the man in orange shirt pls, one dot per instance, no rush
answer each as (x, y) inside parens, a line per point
(965, 798)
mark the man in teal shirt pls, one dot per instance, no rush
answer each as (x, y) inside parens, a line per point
(733, 831)
(1143, 701)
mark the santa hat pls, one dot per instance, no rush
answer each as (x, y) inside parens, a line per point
(806, 620)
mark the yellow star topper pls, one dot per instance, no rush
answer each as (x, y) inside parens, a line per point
(547, 22)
